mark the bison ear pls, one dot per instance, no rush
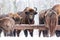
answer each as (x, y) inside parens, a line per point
(27, 13)
(35, 13)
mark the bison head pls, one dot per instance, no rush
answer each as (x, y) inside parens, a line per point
(16, 17)
(30, 13)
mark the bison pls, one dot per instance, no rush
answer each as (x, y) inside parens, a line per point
(51, 21)
(28, 18)
(57, 9)
(42, 21)
(18, 20)
(2, 16)
(7, 24)
(16, 17)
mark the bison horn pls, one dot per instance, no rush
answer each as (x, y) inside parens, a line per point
(35, 8)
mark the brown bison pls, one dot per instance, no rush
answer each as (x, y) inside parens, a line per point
(51, 20)
(18, 20)
(16, 17)
(57, 9)
(7, 24)
(2, 16)
(28, 18)
(42, 21)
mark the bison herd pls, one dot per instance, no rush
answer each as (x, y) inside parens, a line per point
(47, 17)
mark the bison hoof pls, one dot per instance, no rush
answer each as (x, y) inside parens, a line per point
(31, 33)
(58, 33)
(45, 36)
(17, 35)
(26, 33)
(39, 33)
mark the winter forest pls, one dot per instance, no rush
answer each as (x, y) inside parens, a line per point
(18, 5)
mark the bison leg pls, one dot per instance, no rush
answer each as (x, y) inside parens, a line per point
(18, 32)
(11, 33)
(0, 32)
(57, 33)
(14, 33)
(31, 32)
(45, 33)
(39, 33)
(52, 30)
(26, 33)
(5, 33)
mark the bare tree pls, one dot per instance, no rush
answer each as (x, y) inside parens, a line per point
(15, 7)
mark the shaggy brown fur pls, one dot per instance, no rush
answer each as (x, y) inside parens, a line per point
(7, 24)
(18, 20)
(57, 9)
(50, 21)
(16, 17)
(42, 21)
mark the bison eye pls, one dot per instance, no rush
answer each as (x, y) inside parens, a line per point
(27, 13)
(35, 13)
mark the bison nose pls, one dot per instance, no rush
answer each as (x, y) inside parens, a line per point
(31, 16)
